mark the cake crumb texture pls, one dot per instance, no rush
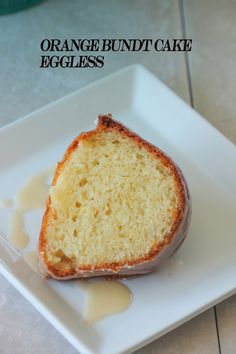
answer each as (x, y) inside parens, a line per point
(114, 199)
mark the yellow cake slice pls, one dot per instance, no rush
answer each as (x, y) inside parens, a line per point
(117, 206)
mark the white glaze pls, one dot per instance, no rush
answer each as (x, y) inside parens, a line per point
(31, 259)
(31, 196)
(34, 192)
(103, 298)
(17, 233)
(6, 203)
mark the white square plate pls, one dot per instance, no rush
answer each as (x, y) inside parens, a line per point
(206, 270)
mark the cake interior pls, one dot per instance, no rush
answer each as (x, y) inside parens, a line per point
(113, 201)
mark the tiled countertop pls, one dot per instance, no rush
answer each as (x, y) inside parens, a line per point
(205, 78)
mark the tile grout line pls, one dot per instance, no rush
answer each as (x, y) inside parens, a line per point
(186, 56)
(217, 330)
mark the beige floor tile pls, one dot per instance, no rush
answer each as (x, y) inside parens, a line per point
(227, 325)
(197, 336)
(212, 26)
(23, 330)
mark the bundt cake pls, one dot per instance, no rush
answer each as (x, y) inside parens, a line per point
(118, 206)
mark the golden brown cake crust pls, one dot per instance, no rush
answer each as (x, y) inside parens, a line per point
(105, 122)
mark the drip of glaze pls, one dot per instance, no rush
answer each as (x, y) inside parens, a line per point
(31, 259)
(103, 298)
(34, 192)
(31, 196)
(6, 203)
(17, 234)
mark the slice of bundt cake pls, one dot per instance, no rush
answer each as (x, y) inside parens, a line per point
(117, 206)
